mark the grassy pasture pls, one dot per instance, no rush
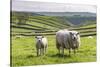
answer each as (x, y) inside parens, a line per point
(24, 52)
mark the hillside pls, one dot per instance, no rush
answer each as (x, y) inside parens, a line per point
(79, 20)
(32, 23)
(71, 18)
(39, 23)
(48, 25)
(86, 14)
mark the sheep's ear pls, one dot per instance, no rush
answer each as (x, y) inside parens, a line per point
(42, 36)
(70, 33)
(35, 36)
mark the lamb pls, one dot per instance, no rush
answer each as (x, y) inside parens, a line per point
(41, 45)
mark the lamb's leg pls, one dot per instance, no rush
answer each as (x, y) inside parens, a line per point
(46, 47)
(41, 51)
(45, 50)
(37, 52)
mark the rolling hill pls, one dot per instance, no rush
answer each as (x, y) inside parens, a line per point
(73, 18)
(82, 14)
(48, 25)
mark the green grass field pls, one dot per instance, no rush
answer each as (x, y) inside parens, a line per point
(24, 52)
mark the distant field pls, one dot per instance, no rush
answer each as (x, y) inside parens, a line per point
(24, 52)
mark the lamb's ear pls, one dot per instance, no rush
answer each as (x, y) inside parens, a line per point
(78, 33)
(42, 36)
(35, 36)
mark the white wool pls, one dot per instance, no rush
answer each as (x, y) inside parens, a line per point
(64, 38)
(90, 37)
(44, 40)
(41, 43)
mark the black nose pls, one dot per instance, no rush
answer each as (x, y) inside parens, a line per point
(74, 38)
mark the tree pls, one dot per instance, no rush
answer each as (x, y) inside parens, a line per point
(22, 17)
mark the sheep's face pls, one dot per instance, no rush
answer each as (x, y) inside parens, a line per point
(74, 35)
(39, 38)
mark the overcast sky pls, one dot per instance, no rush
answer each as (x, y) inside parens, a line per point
(32, 6)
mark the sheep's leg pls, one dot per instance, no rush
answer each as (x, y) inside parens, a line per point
(37, 52)
(59, 51)
(74, 51)
(45, 50)
(58, 46)
(41, 51)
(62, 51)
(69, 51)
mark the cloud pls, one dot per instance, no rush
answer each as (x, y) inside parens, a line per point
(32, 6)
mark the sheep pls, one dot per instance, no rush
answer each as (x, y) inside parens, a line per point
(67, 39)
(18, 37)
(90, 37)
(41, 45)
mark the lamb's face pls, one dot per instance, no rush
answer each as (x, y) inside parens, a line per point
(39, 38)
